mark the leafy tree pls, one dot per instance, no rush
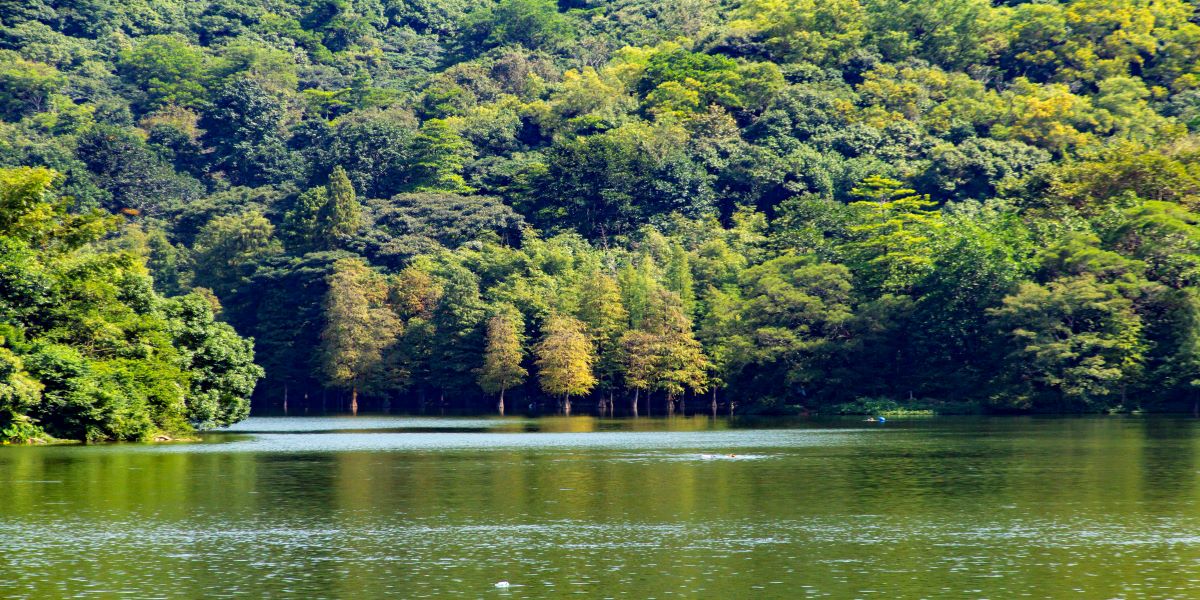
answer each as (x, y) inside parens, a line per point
(892, 252)
(679, 278)
(534, 24)
(341, 216)
(681, 365)
(441, 155)
(134, 177)
(692, 80)
(166, 69)
(222, 364)
(457, 322)
(602, 310)
(325, 217)
(358, 326)
(819, 32)
(564, 359)
(795, 317)
(243, 126)
(1166, 237)
(90, 351)
(19, 394)
(408, 225)
(640, 365)
(502, 357)
(604, 184)
(26, 87)
(1075, 340)
(229, 248)
(375, 149)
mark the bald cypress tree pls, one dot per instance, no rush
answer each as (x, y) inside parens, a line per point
(565, 359)
(639, 364)
(358, 326)
(502, 368)
(603, 312)
(681, 363)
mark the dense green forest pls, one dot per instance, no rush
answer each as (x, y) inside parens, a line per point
(632, 206)
(88, 350)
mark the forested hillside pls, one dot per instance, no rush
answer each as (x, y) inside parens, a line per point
(642, 205)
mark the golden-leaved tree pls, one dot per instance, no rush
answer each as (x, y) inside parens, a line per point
(565, 358)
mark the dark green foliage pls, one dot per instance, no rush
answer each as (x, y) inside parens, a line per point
(412, 224)
(606, 184)
(134, 177)
(243, 126)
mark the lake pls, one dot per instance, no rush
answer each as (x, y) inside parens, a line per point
(367, 507)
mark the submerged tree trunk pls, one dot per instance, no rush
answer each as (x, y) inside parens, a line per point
(501, 402)
(354, 401)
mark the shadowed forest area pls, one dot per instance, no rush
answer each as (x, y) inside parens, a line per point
(624, 207)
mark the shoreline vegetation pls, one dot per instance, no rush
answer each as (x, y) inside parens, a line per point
(631, 207)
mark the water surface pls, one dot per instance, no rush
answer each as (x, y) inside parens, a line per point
(690, 508)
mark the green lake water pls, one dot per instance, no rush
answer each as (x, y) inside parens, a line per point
(374, 507)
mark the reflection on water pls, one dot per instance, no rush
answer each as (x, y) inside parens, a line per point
(414, 508)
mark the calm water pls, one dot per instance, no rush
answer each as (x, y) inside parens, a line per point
(424, 508)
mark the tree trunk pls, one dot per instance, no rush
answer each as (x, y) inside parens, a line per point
(285, 391)
(714, 402)
(670, 406)
(354, 401)
(502, 402)
(636, 391)
(683, 405)
(567, 406)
